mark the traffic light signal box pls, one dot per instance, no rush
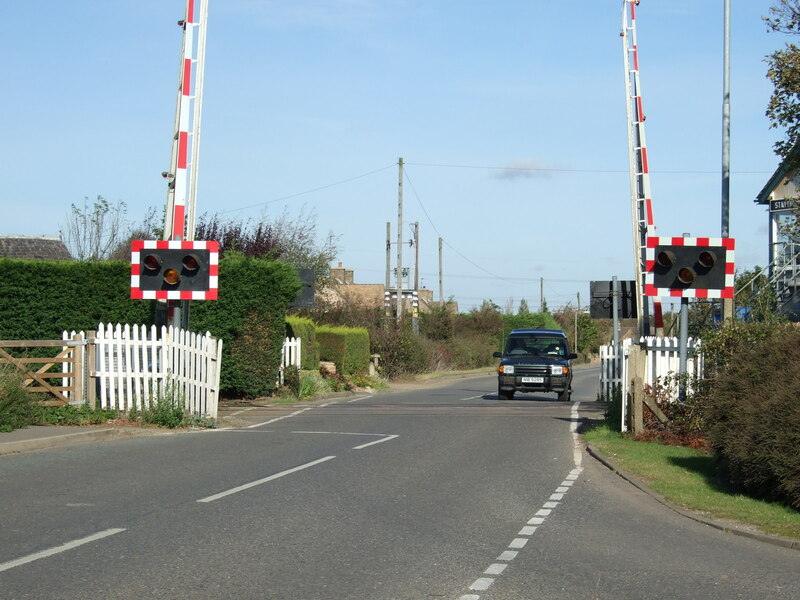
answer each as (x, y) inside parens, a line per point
(689, 267)
(174, 270)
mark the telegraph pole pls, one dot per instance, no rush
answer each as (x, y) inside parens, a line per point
(415, 299)
(400, 241)
(387, 288)
(441, 286)
(541, 294)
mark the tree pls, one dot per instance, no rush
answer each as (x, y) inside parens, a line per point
(293, 241)
(151, 228)
(523, 307)
(93, 233)
(783, 109)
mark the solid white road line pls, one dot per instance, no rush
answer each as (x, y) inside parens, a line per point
(247, 486)
(386, 439)
(58, 549)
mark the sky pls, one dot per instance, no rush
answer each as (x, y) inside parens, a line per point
(510, 117)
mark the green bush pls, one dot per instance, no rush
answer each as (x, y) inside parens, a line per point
(17, 405)
(71, 415)
(348, 347)
(753, 412)
(613, 412)
(305, 329)
(249, 317)
(402, 352)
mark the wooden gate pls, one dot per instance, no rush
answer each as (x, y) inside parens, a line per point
(59, 376)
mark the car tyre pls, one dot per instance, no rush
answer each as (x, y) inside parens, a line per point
(505, 395)
(565, 396)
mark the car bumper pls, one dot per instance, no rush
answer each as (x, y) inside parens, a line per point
(550, 384)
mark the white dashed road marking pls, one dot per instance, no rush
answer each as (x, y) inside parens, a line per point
(58, 549)
(484, 583)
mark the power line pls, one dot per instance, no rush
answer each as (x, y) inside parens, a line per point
(310, 191)
(561, 170)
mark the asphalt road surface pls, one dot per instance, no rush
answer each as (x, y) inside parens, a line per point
(437, 491)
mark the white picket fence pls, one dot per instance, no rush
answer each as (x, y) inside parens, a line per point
(290, 356)
(133, 365)
(661, 361)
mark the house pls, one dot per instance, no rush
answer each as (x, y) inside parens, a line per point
(781, 194)
(346, 291)
(35, 247)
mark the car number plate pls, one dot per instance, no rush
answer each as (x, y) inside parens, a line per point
(533, 380)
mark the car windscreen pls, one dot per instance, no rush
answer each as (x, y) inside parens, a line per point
(524, 345)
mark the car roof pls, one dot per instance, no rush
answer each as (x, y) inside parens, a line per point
(554, 332)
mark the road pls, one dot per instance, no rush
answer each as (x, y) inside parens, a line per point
(439, 491)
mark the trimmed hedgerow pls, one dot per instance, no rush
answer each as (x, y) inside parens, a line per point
(39, 299)
(305, 329)
(348, 347)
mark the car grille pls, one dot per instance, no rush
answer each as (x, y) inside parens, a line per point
(531, 370)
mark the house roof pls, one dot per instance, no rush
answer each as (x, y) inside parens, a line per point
(36, 247)
(788, 164)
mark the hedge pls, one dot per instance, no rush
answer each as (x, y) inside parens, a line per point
(40, 299)
(306, 330)
(348, 347)
(249, 316)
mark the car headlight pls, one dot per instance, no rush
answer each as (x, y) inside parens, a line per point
(506, 369)
(559, 370)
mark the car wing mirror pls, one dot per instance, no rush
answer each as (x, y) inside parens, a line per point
(498, 355)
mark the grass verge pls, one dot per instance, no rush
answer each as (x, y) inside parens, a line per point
(688, 478)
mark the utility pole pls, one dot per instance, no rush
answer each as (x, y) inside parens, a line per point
(541, 294)
(727, 303)
(415, 299)
(416, 256)
(400, 241)
(577, 313)
(441, 286)
(387, 288)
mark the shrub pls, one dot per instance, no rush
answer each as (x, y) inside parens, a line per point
(249, 316)
(402, 352)
(17, 405)
(613, 412)
(753, 413)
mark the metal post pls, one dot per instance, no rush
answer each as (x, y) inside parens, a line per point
(727, 303)
(615, 318)
(683, 346)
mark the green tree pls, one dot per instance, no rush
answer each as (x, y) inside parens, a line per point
(783, 109)
(523, 307)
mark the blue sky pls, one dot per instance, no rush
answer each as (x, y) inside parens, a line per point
(309, 104)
